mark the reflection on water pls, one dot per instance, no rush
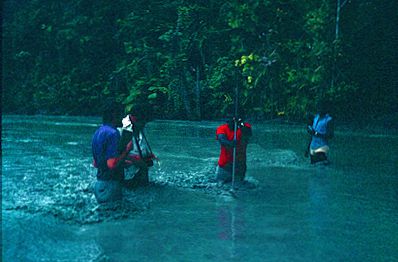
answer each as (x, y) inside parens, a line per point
(231, 226)
(289, 212)
(321, 218)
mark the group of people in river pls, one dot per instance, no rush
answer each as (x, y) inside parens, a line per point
(122, 154)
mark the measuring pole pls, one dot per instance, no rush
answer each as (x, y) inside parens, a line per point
(235, 131)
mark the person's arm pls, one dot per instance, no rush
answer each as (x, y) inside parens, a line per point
(112, 155)
(246, 132)
(310, 131)
(114, 162)
(329, 131)
(225, 142)
(310, 122)
(310, 119)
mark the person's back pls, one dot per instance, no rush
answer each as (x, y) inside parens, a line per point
(104, 146)
(107, 156)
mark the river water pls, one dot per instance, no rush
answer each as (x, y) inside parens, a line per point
(288, 210)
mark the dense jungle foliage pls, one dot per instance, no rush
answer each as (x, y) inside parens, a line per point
(184, 58)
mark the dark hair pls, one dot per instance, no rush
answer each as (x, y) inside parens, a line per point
(323, 105)
(143, 112)
(111, 110)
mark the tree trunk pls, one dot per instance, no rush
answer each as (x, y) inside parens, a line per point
(338, 18)
(198, 93)
(339, 6)
(184, 95)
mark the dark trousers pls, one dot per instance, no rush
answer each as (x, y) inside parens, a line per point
(224, 173)
(318, 157)
(141, 178)
(107, 191)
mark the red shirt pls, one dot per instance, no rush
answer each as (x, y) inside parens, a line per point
(226, 154)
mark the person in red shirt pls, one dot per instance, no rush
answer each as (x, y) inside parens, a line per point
(225, 136)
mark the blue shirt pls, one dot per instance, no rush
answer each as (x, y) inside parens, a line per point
(320, 126)
(105, 146)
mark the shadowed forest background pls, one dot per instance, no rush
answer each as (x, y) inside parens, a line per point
(184, 58)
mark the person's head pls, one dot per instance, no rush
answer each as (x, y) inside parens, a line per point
(323, 106)
(230, 115)
(140, 114)
(112, 112)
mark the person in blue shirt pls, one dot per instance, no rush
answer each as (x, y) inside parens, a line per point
(321, 129)
(109, 155)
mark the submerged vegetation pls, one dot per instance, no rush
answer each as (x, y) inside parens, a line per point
(185, 58)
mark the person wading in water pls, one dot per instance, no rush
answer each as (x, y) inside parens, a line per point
(321, 129)
(109, 158)
(225, 136)
(140, 158)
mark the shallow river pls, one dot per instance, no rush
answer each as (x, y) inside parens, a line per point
(288, 211)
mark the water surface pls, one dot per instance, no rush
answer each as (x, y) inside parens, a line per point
(291, 211)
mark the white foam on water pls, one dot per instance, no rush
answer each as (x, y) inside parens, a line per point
(28, 140)
(72, 143)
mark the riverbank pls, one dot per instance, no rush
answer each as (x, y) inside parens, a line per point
(386, 125)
